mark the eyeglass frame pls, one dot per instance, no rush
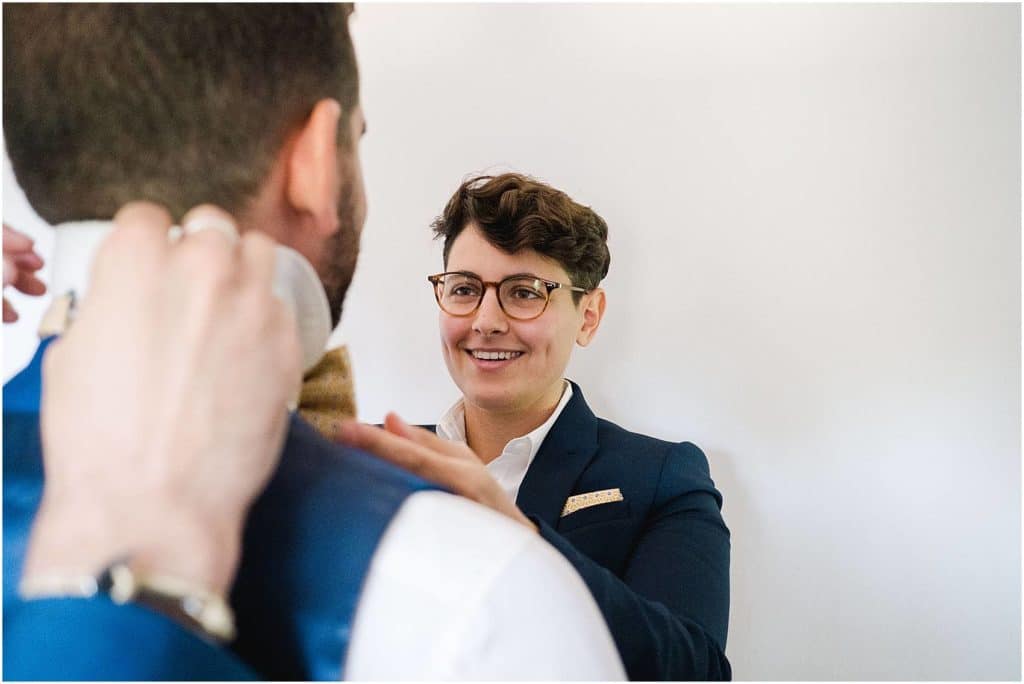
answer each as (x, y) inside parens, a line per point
(551, 285)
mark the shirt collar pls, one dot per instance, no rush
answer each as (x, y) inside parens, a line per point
(295, 282)
(452, 426)
(74, 248)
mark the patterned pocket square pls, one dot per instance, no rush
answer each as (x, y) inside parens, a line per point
(580, 501)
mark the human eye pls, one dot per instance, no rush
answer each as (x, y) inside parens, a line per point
(463, 288)
(526, 291)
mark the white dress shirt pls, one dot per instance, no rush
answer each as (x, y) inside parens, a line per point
(454, 591)
(509, 469)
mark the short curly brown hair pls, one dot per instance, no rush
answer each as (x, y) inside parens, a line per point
(516, 212)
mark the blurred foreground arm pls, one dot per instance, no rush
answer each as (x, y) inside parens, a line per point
(163, 414)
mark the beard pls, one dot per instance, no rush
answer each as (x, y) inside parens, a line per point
(341, 254)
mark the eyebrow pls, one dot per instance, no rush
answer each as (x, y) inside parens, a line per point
(514, 275)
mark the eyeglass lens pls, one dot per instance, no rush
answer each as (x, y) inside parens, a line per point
(460, 295)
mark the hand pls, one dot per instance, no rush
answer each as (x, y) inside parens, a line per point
(450, 464)
(20, 266)
(164, 406)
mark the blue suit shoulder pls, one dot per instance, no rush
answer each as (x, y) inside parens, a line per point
(675, 466)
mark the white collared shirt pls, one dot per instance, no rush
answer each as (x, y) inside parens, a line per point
(454, 591)
(509, 469)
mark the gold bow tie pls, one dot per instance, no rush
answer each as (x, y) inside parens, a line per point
(328, 395)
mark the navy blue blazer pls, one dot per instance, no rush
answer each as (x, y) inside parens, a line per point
(657, 562)
(309, 540)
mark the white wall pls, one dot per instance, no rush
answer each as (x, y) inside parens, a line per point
(815, 236)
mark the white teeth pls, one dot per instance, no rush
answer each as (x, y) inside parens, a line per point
(495, 355)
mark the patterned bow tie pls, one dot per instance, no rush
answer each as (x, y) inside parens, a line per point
(328, 395)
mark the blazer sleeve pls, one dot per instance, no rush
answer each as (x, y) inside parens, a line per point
(96, 639)
(669, 611)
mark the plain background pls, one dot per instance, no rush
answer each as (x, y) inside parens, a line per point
(815, 236)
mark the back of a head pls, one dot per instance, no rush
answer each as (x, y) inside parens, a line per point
(177, 104)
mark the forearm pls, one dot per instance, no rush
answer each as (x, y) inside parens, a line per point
(79, 539)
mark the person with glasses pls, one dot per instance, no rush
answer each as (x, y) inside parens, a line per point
(638, 517)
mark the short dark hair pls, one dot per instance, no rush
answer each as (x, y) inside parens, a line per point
(516, 212)
(177, 104)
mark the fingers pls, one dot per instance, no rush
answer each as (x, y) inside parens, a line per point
(27, 283)
(15, 241)
(396, 426)
(28, 261)
(207, 221)
(257, 257)
(10, 315)
(10, 270)
(136, 244)
(404, 453)
(20, 265)
(146, 219)
(19, 258)
(425, 438)
(388, 446)
(209, 244)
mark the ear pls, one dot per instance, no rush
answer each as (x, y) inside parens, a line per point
(313, 181)
(593, 312)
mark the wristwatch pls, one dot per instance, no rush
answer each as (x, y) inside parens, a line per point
(185, 602)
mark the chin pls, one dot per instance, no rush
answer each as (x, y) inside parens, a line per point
(489, 396)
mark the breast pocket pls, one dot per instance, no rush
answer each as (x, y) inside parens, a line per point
(593, 515)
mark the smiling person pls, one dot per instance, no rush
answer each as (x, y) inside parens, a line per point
(637, 517)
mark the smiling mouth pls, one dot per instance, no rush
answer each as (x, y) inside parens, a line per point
(494, 355)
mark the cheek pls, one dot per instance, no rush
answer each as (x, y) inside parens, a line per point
(453, 330)
(556, 344)
(542, 340)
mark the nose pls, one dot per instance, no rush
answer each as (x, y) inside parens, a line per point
(489, 318)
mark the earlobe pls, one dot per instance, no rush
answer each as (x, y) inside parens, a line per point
(593, 312)
(313, 177)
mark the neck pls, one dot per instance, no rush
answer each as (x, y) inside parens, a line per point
(487, 432)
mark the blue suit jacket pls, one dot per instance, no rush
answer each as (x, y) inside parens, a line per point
(308, 543)
(657, 562)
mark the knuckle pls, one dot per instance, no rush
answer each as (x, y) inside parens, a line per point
(142, 212)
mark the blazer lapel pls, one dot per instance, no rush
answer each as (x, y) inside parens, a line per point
(566, 452)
